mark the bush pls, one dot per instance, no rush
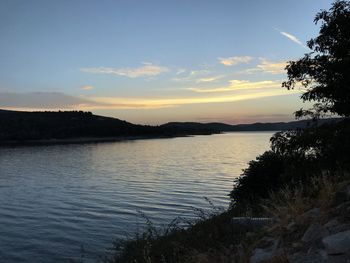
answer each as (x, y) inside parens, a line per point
(295, 157)
(262, 175)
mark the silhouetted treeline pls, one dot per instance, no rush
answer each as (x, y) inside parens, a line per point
(22, 126)
(274, 126)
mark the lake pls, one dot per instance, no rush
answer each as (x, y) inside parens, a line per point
(61, 201)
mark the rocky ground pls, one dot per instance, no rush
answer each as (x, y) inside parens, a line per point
(321, 234)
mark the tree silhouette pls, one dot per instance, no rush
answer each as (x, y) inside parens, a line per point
(325, 72)
(297, 156)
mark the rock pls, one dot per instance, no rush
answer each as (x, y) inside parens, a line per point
(334, 226)
(260, 255)
(314, 233)
(315, 256)
(340, 228)
(313, 213)
(323, 254)
(332, 223)
(266, 254)
(314, 252)
(318, 258)
(338, 243)
(343, 206)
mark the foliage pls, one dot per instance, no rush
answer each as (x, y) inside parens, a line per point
(327, 145)
(24, 126)
(295, 157)
(265, 171)
(298, 155)
(325, 72)
(179, 241)
(289, 204)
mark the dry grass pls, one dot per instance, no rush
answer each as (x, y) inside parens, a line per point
(286, 205)
(292, 207)
(289, 207)
(290, 204)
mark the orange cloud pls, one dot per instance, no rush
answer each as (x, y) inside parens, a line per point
(232, 61)
(86, 87)
(267, 66)
(236, 85)
(147, 70)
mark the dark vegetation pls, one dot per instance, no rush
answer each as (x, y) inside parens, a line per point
(20, 126)
(298, 155)
(24, 126)
(297, 159)
(176, 243)
(16, 125)
(222, 127)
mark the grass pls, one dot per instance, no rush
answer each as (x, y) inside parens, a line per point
(294, 209)
(289, 205)
(181, 240)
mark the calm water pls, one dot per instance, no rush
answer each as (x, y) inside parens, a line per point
(54, 200)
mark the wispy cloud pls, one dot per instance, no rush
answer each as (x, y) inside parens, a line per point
(192, 75)
(86, 87)
(147, 70)
(56, 101)
(272, 67)
(180, 71)
(235, 85)
(209, 79)
(199, 72)
(144, 103)
(232, 61)
(291, 37)
(267, 66)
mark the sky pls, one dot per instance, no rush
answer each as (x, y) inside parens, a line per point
(152, 62)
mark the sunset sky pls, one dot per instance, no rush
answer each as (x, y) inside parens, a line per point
(151, 62)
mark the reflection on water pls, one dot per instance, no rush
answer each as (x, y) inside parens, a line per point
(56, 199)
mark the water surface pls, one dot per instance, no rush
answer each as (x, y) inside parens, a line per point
(58, 201)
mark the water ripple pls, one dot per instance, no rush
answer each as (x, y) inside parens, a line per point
(54, 200)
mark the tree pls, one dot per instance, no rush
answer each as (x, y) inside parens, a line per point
(325, 72)
(297, 156)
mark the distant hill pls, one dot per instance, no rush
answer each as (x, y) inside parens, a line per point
(222, 127)
(46, 125)
(21, 126)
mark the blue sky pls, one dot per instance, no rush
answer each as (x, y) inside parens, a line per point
(154, 61)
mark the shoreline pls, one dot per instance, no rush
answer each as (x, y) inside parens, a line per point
(87, 140)
(84, 140)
